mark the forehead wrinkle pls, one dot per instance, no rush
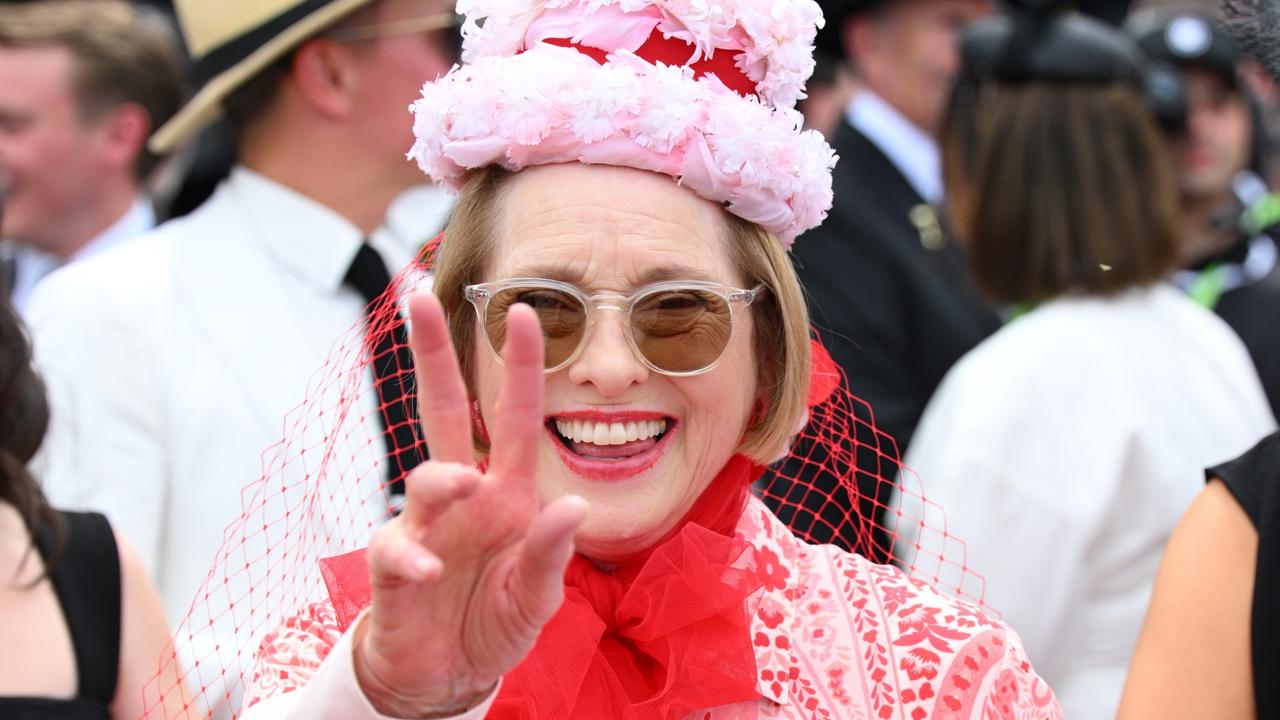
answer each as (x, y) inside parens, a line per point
(606, 222)
(587, 269)
(590, 231)
(617, 262)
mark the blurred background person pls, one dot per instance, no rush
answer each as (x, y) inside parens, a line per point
(172, 361)
(887, 288)
(1210, 646)
(1228, 216)
(83, 83)
(82, 625)
(827, 94)
(1064, 448)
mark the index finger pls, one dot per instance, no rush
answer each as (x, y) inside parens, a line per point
(518, 425)
(443, 408)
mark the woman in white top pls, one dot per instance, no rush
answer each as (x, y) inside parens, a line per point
(1065, 447)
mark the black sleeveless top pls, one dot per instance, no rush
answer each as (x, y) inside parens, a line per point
(1254, 480)
(86, 580)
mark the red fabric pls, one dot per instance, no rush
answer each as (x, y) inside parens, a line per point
(346, 577)
(674, 51)
(824, 375)
(656, 637)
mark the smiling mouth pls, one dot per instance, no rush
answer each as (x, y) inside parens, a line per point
(608, 441)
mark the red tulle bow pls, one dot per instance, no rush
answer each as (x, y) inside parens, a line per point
(674, 641)
(655, 638)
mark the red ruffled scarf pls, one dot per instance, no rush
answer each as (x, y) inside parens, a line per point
(657, 637)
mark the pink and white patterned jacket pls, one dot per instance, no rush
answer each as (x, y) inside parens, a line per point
(836, 636)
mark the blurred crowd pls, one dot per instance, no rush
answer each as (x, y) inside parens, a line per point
(1055, 284)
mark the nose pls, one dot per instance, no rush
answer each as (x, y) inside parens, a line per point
(1199, 122)
(606, 360)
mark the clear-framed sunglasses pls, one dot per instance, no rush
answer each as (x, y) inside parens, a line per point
(679, 327)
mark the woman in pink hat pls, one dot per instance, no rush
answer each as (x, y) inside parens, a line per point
(615, 347)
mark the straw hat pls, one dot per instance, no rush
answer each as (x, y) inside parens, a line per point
(231, 41)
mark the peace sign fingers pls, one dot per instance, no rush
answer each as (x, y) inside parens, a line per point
(443, 407)
(517, 428)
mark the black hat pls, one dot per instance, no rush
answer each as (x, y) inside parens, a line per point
(835, 12)
(1187, 39)
(1044, 42)
(1255, 25)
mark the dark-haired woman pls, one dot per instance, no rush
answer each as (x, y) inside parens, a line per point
(81, 626)
(1065, 447)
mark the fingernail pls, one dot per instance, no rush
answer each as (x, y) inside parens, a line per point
(425, 567)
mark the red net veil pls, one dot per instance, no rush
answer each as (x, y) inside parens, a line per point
(323, 491)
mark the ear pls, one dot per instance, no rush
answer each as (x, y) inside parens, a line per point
(861, 39)
(123, 135)
(324, 73)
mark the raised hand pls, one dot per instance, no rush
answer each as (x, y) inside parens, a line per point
(465, 578)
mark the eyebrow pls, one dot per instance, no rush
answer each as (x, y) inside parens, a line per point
(652, 275)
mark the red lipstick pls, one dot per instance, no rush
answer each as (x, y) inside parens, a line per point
(610, 469)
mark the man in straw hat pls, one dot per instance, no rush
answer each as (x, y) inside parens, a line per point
(172, 363)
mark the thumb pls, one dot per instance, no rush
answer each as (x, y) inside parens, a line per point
(537, 582)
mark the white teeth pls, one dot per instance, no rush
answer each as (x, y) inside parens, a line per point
(601, 433)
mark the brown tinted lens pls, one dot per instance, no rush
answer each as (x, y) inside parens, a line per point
(681, 330)
(561, 315)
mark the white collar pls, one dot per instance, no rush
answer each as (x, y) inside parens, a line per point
(913, 151)
(31, 265)
(318, 244)
(139, 218)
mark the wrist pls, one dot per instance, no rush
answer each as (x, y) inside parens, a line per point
(393, 702)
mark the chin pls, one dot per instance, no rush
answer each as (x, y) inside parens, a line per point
(614, 534)
(633, 497)
(620, 526)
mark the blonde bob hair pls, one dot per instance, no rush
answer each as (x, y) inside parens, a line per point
(780, 345)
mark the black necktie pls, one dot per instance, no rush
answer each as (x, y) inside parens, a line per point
(392, 364)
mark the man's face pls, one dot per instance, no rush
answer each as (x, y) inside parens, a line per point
(396, 66)
(47, 152)
(911, 54)
(1219, 134)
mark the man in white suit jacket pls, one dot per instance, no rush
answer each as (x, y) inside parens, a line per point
(172, 363)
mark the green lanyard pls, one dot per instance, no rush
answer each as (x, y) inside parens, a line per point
(1018, 310)
(1209, 285)
(1261, 215)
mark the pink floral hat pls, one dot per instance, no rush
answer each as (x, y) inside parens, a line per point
(701, 90)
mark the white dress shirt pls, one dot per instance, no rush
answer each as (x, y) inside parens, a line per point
(172, 363)
(31, 265)
(1062, 451)
(913, 151)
